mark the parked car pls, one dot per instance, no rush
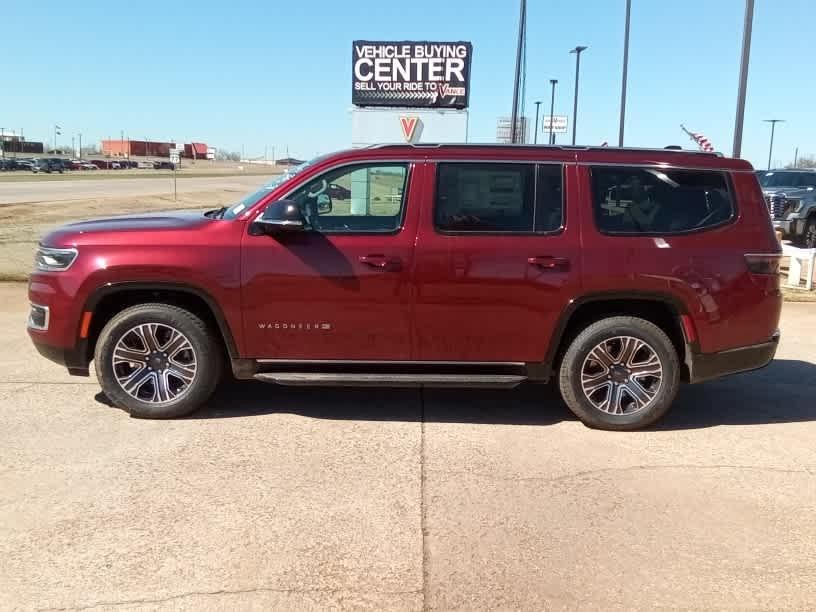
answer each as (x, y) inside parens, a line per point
(23, 164)
(791, 199)
(48, 165)
(163, 165)
(617, 273)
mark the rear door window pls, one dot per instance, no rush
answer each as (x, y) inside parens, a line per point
(652, 201)
(498, 198)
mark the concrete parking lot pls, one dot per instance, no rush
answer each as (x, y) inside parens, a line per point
(274, 498)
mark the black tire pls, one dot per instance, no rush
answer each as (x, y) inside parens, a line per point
(206, 349)
(809, 238)
(607, 330)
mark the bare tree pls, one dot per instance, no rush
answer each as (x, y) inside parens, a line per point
(806, 161)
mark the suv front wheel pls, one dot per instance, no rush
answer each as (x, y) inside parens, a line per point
(620, 373)
(157, 361)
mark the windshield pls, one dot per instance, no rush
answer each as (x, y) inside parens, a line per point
(273, 183)
(788, 179)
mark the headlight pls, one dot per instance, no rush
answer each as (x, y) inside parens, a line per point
(54, 260)
(796, 205)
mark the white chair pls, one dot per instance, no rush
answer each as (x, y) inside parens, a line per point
(798, 258)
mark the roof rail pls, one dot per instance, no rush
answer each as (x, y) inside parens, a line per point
(442, 145)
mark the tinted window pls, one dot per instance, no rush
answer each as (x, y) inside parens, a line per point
(653, 201)
(549, 213)
(356, 199)
(487, 197)
(788, 179)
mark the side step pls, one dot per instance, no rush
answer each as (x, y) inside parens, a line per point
(336, 379)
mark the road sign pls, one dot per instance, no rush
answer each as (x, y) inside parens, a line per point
(174, 158)
(559, 124)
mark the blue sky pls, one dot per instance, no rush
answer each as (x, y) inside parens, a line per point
(255, 74)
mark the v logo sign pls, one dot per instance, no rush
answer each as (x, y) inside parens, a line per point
(409, 126)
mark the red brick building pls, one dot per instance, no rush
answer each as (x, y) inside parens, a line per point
(140, 148)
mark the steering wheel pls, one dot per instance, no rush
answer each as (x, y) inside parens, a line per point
(323, 187)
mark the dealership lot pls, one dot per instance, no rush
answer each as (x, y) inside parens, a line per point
(48, 192)
(399, 499)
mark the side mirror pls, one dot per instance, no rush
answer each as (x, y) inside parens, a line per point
(279, 217)
(324, 204)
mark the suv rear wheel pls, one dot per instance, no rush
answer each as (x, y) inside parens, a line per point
(158, 361)
(620, 373)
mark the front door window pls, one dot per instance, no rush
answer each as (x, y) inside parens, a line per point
(355, 199)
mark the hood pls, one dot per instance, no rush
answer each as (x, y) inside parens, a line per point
(790, 192)
(154, 222)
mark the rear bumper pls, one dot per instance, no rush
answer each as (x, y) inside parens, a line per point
(708, 366)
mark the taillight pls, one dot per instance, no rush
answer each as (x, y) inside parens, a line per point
(764, 263)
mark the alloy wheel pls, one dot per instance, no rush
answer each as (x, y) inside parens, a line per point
(154, 363)
(621, 375)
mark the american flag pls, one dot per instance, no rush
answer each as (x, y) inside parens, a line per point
(702, 142)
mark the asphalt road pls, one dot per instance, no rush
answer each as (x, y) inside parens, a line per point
(88, 189)
(272, 498)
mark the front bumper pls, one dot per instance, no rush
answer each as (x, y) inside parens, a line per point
(72, 358)
(708, 366)
(791, 227)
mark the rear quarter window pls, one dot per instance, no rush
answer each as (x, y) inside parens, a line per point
(656, 201)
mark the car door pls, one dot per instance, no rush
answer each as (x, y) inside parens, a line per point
(340, 290)
(497, 261)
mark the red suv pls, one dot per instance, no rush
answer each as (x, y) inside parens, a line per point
(620, 273)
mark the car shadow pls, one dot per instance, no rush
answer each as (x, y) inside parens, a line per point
(784, 392)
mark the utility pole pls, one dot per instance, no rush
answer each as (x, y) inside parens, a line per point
(577, 51)
(519, 50)
(80, 145)
(2, 143)
(535, 136)
(553, 83)
(743, 78)
(796, 158)
(773, 123)
(625, 71)
(73, 148)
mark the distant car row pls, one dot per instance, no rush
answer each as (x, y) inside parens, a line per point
(58, 164)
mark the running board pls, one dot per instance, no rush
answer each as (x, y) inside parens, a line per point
(336, 379)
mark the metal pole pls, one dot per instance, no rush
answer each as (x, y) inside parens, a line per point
(773, 123)
(625, 71)
(2, 143)
(743, 79)
(577, 51)
(552, 106)
(519, 49)
(80, 145)
(535, 135)
(796, 158)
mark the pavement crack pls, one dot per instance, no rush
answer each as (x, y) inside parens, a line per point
(423, 517)
(631, 468)
(136, 602)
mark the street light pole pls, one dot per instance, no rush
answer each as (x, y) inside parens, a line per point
(553, 83)
(625, 71)
(517, 80)
(773, 123)
(743, 78)
(577, 51)
(535, 134)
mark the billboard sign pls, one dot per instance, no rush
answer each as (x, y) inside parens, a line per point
(559, 124)
(411, 73)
